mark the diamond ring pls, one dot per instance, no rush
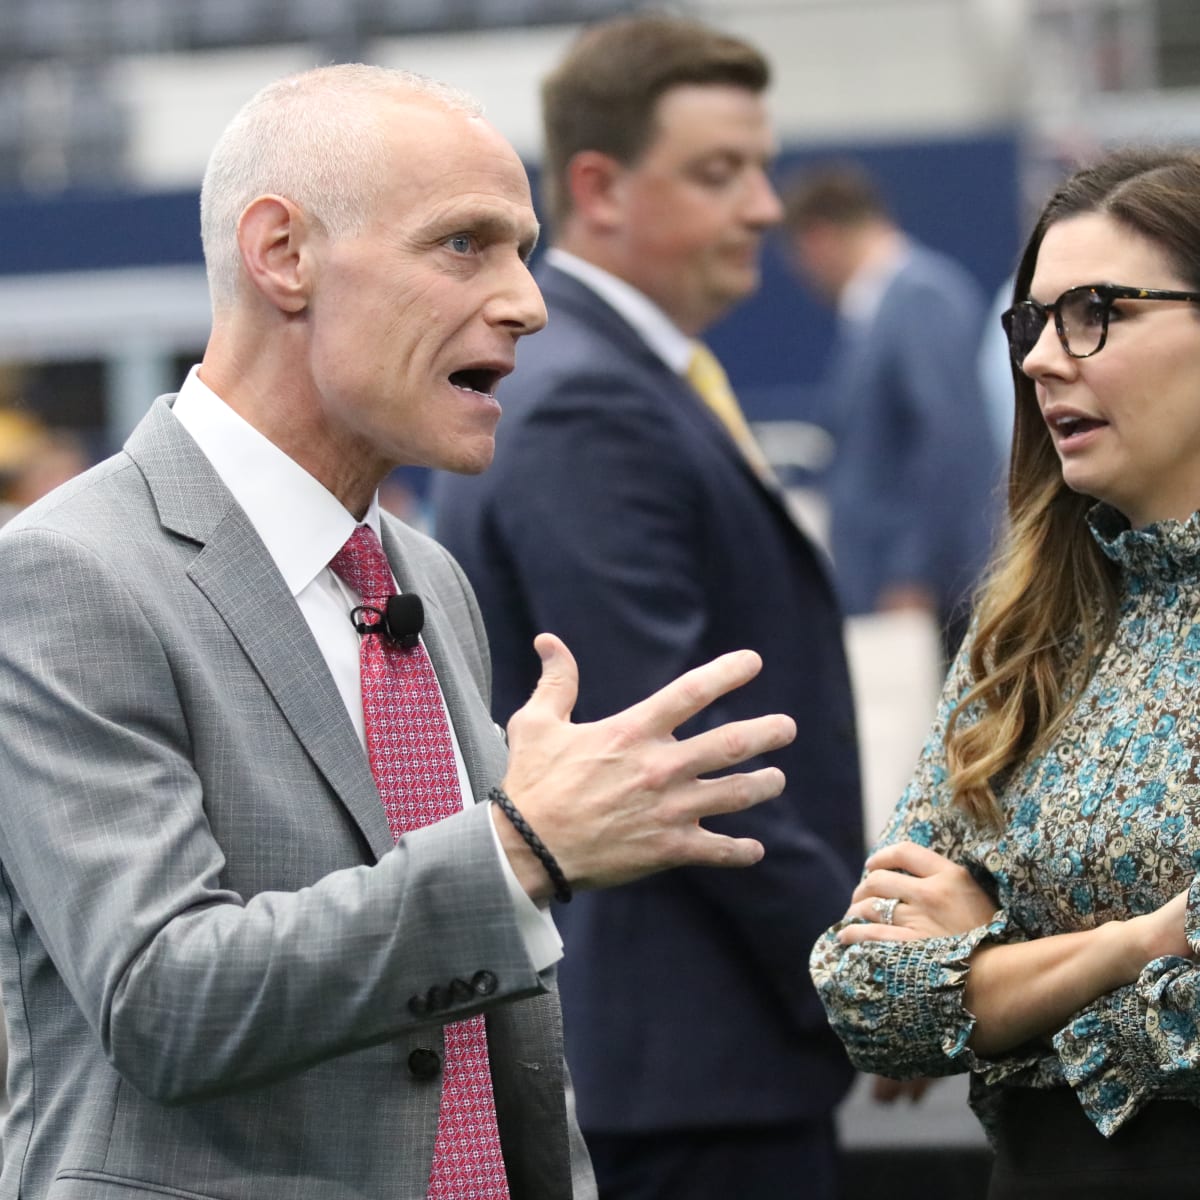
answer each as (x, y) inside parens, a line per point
(886, 910)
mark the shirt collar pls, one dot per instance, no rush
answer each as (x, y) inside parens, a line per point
(649, 321)
(301, 523)
(862, 296)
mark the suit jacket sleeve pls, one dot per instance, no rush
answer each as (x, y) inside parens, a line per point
(192, 988)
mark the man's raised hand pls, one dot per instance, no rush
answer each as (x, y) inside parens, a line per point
(620, 798)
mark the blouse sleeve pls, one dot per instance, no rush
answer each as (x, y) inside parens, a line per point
(898, 1006)
(1140, 1042)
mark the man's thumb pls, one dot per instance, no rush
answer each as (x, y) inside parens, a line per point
(558, 686)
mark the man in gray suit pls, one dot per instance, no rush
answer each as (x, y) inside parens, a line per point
(222, 975)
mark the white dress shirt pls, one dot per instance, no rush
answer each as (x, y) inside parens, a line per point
(864, 292)
(649, 321)
(302, 535)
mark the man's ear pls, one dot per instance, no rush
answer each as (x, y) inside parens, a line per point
(596, 183)
(273, 235)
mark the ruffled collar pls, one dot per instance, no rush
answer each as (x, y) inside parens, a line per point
(1167, 551)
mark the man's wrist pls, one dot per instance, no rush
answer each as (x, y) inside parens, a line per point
(561, 887)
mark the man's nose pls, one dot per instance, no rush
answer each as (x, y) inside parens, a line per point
(763, 207)
(519, 304)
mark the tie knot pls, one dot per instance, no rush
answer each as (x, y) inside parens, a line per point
(362, 563)
(706, 374)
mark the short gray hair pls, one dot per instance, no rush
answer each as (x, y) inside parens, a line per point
(315, 138)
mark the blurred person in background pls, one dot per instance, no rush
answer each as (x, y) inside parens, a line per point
(52, 457)
(273, 906)
(629, 510)
(1032, 913)
(34, 460)
(913, 482)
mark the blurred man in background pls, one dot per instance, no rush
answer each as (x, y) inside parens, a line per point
(912, 489)
(630, 510)
(34, 459)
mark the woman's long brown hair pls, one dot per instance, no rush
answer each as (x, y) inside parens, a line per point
(1049, 602)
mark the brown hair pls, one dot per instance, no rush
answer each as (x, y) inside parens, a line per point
(838, 193)
(1049, 605)
(602, 96)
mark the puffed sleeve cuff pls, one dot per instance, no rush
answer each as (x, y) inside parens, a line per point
(958, 1022)
(1139, 1042)
(898, 1006)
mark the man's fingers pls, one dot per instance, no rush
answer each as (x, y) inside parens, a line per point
(733, 793)
(908, 856)
(735, 742)
(558, 687)
(694, 690)
(708, 849)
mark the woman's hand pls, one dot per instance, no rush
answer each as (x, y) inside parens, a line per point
(913, 892)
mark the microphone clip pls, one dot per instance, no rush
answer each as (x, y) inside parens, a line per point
(401, 620)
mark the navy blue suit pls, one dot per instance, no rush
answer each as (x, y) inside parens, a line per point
(619, 515)
(913, 489)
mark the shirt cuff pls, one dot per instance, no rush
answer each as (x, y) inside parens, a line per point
(534, 922)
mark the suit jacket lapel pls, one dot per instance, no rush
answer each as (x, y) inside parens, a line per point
(235, 573)
(561, 288)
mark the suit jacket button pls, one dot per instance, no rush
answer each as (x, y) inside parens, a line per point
(461, 991)
(484, 983)
(418, 1006)
(424, 1064)
(437, 998)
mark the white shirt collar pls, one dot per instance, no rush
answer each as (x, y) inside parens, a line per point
(302, 524)
(649, 321)
(862, 296)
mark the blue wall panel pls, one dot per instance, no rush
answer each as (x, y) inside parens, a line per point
(959, 195)
(84, 231)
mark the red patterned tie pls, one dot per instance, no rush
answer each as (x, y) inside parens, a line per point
(412, 759)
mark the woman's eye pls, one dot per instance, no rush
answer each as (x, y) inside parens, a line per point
(1088, 312)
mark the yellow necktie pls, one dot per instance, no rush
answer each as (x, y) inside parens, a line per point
(708, 377)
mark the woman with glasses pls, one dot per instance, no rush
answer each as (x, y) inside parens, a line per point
(1032, 914)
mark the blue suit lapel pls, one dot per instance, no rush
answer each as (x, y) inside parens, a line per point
(561, 289)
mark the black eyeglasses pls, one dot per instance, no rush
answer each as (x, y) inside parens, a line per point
(1080, 317)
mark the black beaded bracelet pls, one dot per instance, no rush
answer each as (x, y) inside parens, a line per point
(562, 889)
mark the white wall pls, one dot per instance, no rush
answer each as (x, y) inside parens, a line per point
(843, 68)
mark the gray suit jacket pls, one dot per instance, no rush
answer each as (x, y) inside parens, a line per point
(220, 977)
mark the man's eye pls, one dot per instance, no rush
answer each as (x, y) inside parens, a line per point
(461, 243)
(715, 177)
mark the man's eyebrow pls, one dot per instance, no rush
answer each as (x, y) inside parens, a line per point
(735, 156)
(489, 225)
(529, 244)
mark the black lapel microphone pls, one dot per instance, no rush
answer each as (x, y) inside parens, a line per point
(402, 619)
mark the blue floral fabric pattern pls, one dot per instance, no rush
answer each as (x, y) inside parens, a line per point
(1105, 824)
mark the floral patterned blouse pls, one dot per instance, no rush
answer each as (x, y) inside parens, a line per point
(1104, 825)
